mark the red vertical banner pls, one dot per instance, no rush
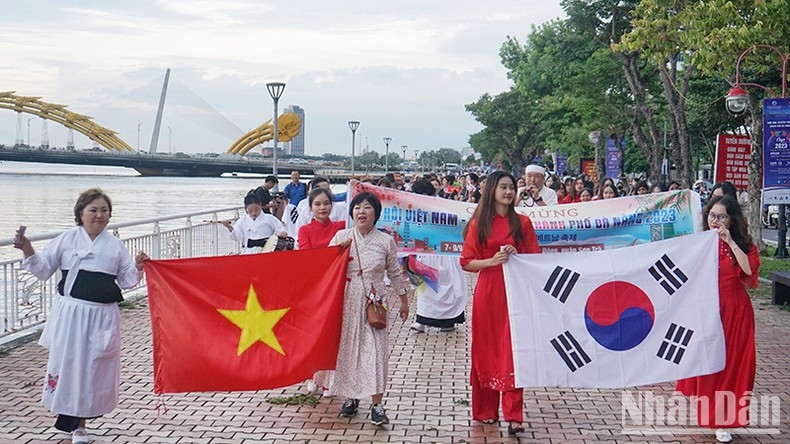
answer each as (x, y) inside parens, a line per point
(589, 169)
(732, 159)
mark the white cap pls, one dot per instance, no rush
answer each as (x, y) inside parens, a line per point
(535, 169)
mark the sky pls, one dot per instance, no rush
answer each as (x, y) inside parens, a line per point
(404, 69)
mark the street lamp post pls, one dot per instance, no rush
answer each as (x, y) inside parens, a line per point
(353, 124)
(28, 131)
(416, 152)
(276, 90)
(138, 136)
(387, 141)
(170, 139)
(737, 102)
(403, 164)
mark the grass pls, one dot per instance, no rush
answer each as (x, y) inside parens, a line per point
(299, 399)
(769, 264)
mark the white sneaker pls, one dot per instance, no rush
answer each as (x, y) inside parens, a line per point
(311, 387)
(419, 328)
(723, 436)
(328, 393)
(80, 436)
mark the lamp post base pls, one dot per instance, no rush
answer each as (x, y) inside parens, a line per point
(781, 238)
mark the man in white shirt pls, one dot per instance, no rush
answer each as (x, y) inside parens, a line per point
(535, 194)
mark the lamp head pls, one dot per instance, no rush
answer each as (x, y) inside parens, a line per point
(276, 89)
(737, 100)
(353, 124)
(387, 140)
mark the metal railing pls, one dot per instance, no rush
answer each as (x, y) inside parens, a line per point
(25, 300)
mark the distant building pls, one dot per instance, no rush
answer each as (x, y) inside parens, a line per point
(295, 147)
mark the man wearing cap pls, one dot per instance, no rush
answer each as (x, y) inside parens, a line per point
(535, 194)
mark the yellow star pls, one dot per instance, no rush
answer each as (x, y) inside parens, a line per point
(256, 324)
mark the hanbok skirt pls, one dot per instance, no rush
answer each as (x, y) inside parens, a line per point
(84, 366)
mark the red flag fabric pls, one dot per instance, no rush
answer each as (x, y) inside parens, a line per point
(245, 322)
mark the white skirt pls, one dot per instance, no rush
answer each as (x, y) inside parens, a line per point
(84, 366)
(448, 299)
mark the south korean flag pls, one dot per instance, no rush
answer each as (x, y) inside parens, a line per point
(616, 318)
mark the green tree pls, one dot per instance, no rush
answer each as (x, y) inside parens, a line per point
(369, 160)
(509, 136)
(719, 32)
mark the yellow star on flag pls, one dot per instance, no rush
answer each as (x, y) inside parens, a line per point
(256, 324)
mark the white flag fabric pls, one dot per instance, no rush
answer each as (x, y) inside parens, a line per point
(616, 318)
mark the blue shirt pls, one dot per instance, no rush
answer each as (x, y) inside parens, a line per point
(295, 192)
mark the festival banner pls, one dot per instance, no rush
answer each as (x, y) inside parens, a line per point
(776, 151)
(615, 319)
(733, 152)
(426, 224)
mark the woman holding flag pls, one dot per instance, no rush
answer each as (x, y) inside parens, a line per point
(494, 232)
(723, 397)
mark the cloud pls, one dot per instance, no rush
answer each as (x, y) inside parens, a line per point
(404, 69)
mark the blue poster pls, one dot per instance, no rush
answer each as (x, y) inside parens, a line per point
(562, 165)
(613, 157)
(776, 151)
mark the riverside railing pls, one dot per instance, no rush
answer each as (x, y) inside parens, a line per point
(25, 300)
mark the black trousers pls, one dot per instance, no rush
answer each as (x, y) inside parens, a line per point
(67, 423)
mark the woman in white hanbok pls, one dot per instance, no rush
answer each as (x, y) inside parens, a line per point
(83, 331)
(361, 369)
(254, 228)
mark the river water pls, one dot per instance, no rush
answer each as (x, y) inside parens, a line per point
(42, 196)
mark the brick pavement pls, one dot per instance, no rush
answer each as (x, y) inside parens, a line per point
(427, 401)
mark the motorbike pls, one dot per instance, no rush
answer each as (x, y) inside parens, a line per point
(770, 216)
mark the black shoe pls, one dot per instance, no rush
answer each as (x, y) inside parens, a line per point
(349, 408)
(378, 416)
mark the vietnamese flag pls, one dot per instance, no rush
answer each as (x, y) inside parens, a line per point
(245, 322)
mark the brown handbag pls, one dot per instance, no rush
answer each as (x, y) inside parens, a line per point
(375, 310)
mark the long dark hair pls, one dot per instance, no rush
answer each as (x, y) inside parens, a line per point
(739, 230)
(486, 209)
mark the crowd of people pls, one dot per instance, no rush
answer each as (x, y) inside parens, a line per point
(83, 370)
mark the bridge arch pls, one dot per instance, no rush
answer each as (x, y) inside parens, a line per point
(58, 113)
(288, 125)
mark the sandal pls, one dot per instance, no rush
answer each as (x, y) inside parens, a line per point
(80, 436)
(515, 427)
(489, 421)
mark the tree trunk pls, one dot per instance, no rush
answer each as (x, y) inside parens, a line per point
(675, 94)
(643, 119)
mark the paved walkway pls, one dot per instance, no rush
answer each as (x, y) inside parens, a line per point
(427, 402)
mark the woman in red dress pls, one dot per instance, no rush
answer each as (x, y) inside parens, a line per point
(494, 232)
(320, 230)
(317, 234)
(723, 398)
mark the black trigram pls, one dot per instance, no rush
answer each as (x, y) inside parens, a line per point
(294, 215)
(675, 343)
(668, 274)
(570, 351)
(561, 283)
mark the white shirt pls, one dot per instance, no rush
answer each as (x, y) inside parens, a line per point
(74, 250)
(262, 227)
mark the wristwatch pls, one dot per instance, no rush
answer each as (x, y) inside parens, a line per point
(539, 199)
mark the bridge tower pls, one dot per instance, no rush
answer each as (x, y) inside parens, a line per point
(44, 134)
(158, 123)
(20, 132)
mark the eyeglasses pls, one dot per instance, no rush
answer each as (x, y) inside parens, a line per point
(718, 217)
